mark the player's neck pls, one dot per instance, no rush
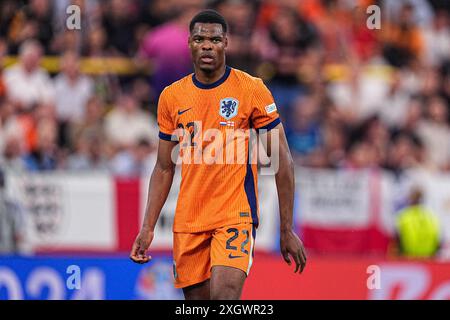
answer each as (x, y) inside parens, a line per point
(210, 77)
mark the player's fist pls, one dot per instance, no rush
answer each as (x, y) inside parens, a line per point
(140, 247)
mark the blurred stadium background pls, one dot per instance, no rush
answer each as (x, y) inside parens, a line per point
(366, 113)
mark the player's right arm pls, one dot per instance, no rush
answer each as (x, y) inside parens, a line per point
(159, 187)
(160, 181)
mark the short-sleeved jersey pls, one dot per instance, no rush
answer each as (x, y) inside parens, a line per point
(214, 195)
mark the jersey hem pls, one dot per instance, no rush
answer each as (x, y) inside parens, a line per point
(212, 227)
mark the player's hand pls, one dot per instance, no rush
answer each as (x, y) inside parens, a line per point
(140, 247)
(290, 244)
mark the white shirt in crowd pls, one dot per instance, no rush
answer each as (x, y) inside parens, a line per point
(125, 128)
(28, 88)
(436, 139)
(437, 45)
(71, 98)
(364, 99)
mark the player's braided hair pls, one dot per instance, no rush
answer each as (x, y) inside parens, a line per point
(209, 16)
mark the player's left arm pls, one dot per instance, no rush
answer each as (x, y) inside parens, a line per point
(290, 243)
(266, 120)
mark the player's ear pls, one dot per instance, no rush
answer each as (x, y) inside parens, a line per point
(226, 41)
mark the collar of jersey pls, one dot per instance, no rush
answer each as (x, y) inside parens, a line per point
(217, 83)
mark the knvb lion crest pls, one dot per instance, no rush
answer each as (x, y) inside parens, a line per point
(228, 108)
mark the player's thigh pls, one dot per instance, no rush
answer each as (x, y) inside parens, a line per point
(192, 261)
(226, 282)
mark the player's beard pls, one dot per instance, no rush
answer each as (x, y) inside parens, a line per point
(207, 71)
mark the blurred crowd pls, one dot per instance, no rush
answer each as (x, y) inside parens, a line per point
(350, 96)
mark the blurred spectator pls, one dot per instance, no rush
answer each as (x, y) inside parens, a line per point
(240, 16)
(393, 107)
(12, 158)
(431, 82)
(12, 140)
(77, 86)
(418, 229)
(88, 137)
(435, 133)
(437, 39)
(303, 133)
(27, 83)
(413, 116)
(403, 39)
(96, 44)
(12, 226)
(158, 12)
(8, 9)
(376, 133)
(282, 44)
(72, 93)
(32, 21)
(404, 153)
(89, 155)
(363, 42)
(361, 155)
(334, 136)
(44, 155)
(138, 160)
(334, 28)
(119, 22)
(143, 93)
(21, 125)
(68, 40)
(126, 124)
(92, 124)
(166, 48)
(360, 93)
(421, 10)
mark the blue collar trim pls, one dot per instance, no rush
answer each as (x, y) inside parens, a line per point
(217, 83)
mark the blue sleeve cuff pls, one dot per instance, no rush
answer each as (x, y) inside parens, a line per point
(271, 125)
(165, 136)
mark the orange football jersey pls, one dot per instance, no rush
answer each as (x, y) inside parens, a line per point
(216, 194)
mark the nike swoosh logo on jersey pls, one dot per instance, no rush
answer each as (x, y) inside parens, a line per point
(233, 257)
(180, 112)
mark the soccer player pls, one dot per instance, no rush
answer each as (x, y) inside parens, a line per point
(217, 211)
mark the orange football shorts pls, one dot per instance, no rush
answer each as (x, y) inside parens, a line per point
(196, 253)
